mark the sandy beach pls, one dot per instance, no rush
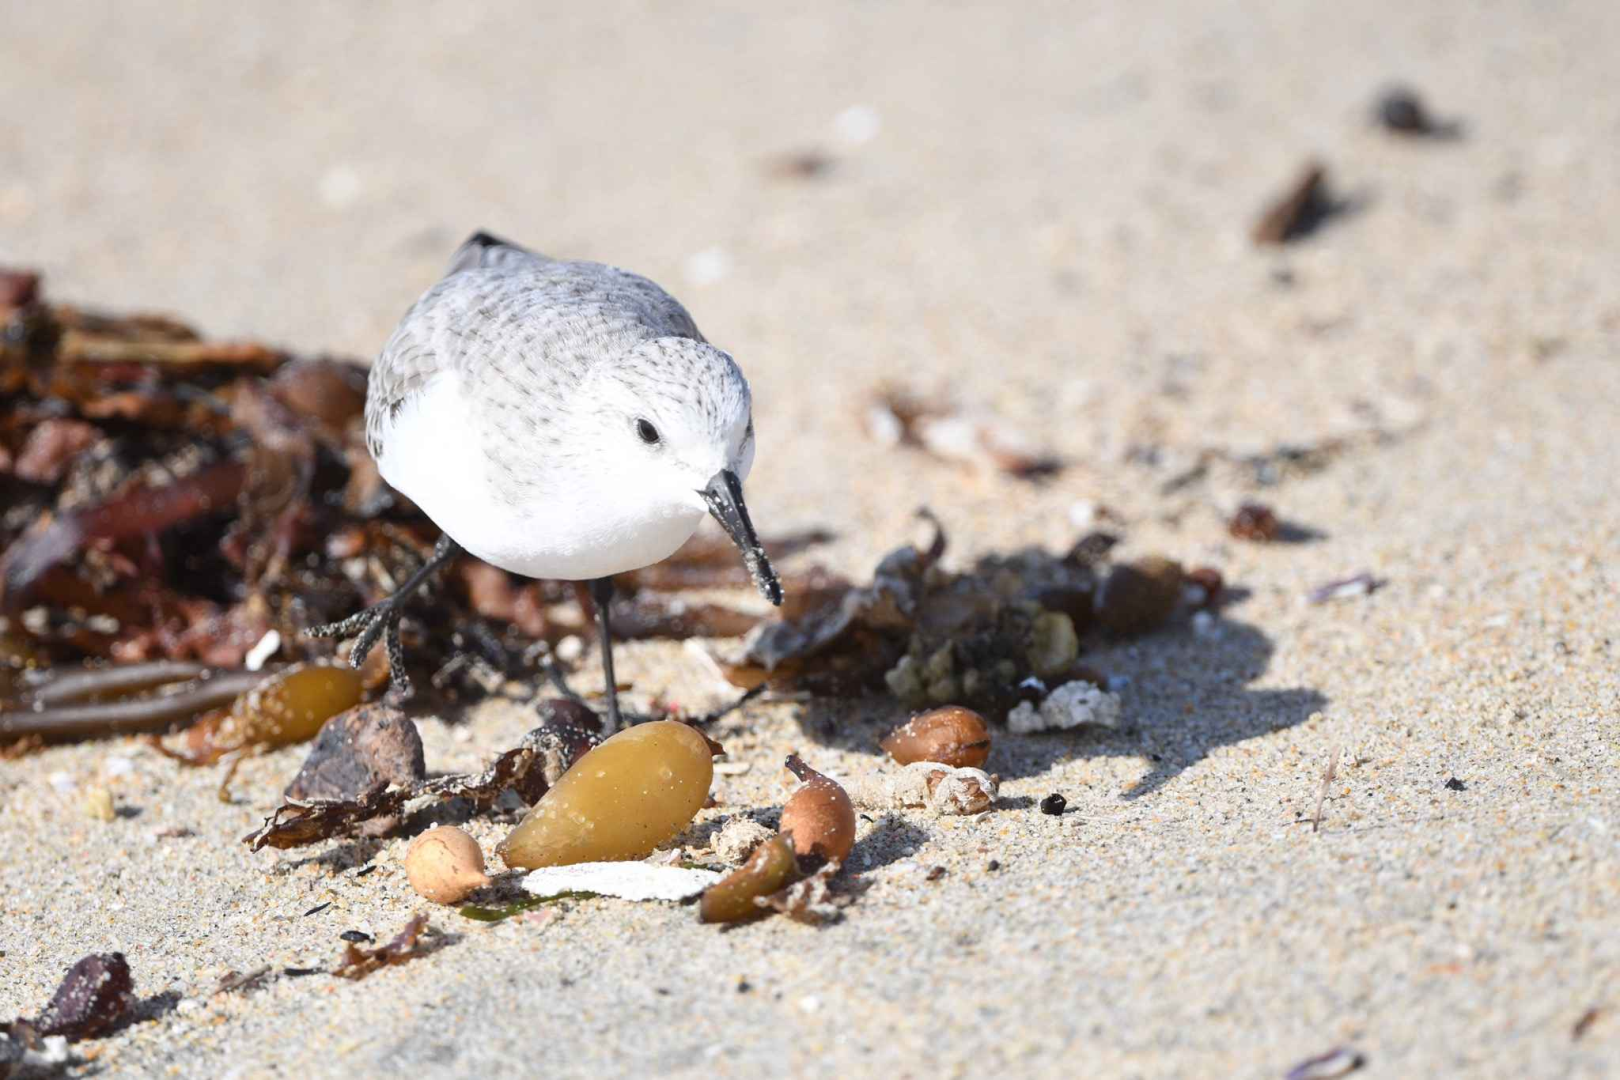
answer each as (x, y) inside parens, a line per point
(1043, 214)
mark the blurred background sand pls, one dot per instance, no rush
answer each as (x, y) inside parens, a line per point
(1043, 210)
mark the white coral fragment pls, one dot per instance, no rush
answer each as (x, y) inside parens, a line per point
(1074, 704)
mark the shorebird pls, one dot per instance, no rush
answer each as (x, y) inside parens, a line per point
(559, 420)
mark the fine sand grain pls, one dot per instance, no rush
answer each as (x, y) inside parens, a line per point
(1046, 214)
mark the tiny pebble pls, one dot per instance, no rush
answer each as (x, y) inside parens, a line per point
(98, 803)
(1054, 804)
(62, 781)
(858, 124)
(1455, 784)
(264, 650)
(117, 766)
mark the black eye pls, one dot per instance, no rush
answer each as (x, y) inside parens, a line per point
(648, 433)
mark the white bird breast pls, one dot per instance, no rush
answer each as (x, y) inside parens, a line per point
(431, 452)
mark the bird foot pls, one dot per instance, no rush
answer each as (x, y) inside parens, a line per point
(380, 621)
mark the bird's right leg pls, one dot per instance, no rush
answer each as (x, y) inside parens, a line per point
(383, 619)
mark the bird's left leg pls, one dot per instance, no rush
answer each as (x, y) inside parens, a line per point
(383, 619)
(601, 597)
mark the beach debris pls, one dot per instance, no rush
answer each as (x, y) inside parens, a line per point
(245, 982)
(1400, 109)
(930, 636)
(82, 713)
(1203, 586)
(357, 962)
(1355, 585)
(95, 996)
(539, 760)
(738, 838)
(624, 798)
(285, 708)
(1139, 597)
(51, 447)
(807, 164)
(940, 788)
(1340, 1061)
(98, 803)
(858, 124)
(740, 895)
(1054, 804)
(357, 750)
(24, 1050)
(1328, 774)
(1300, 210)
(445, 865)
(1254, 521)
(1584, 1022)
(357, 936)
(624, 880)
(818, 818)
(811, 900)
(898, 417)
(1455, 784)
(1074, 704)
(952, 735)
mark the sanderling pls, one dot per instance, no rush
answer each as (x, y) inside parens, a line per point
(559, 420)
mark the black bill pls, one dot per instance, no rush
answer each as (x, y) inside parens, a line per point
(725, 498)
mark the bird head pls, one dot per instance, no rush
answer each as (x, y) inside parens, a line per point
(682, 412)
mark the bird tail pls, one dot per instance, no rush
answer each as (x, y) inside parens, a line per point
(483, 249)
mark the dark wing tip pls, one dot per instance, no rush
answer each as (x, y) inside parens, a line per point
(482, 239)
(486, 249)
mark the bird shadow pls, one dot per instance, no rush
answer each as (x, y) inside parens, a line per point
(1185, 694)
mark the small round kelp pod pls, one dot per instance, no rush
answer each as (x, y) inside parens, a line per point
(620, 801)
(818, 818)
(952, 736)
(771, 868)
(445, 865)
(290, 706)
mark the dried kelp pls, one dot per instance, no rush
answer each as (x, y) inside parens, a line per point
(529, 768)
(357, 963)
(930, 636)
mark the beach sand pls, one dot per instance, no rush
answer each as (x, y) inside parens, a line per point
(1045, 214)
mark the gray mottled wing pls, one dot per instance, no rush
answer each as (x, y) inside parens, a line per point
(516, 322)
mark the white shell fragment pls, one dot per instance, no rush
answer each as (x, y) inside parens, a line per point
(625, 880)
(940, 788)
(738, 838)
(1074, 704)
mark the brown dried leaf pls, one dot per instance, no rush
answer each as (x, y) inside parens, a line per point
(358, 963)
